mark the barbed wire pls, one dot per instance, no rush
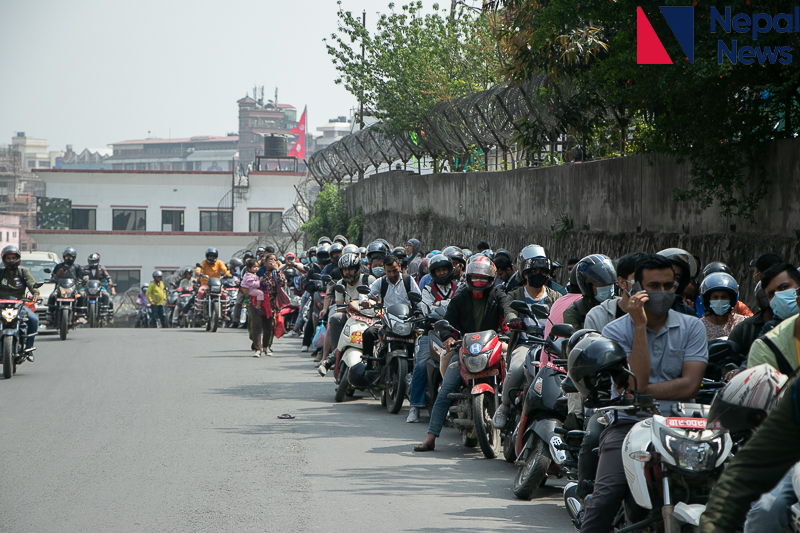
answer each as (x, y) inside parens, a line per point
(485, 121)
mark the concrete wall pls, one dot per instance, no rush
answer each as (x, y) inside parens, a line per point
(616, 206)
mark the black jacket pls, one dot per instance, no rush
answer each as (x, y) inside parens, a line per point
(72, 271)
(747, 331)
(459, 311)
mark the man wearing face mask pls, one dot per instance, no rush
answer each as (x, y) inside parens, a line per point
(780, 348)
(535, 268)
(668, 354)
(596, 277)
(66, 269)
(598, 317)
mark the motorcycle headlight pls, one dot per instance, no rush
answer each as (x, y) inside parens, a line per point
(403, 329)
(63, 292)
(693, 455)
(476, 363)
(9, 314)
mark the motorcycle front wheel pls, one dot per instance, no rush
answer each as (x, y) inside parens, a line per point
(531, 474)
(63, 327)
(396, 384)
(483, 407)
(92, 318)
(214, 317)
(344, 384)
(8, 357)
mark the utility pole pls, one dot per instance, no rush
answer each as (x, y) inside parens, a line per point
(361, 100)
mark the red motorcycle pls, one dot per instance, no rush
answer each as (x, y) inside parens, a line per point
(483, 370)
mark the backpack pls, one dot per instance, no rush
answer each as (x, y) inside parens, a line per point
(385, 285)
(784, 367)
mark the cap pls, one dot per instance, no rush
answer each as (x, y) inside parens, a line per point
(290, 255)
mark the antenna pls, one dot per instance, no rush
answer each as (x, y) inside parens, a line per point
(276, 97)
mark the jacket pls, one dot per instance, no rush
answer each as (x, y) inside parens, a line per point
(518, 293)
(575, 314)
(600, 315)
(14, 282)
(100, 273)
(156, 293)
(205, 271)
(746, 332)
(783, 339)
(459, 312)
(73, 271)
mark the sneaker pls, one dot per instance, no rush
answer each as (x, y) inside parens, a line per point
(257, 353)
(304, 349)
(268, 352)
(413, 415)
(500, 417)
(30, 357)
(322, 369)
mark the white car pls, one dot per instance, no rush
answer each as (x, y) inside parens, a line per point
(36, 263)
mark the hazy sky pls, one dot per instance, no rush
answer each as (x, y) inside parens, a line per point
(93, 72)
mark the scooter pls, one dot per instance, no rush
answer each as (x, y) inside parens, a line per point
(349, 350)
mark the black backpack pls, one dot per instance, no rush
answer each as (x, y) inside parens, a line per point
(385, 285)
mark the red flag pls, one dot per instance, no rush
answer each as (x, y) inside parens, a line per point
(299, 148)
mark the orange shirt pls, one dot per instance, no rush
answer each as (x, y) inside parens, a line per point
(206, 271)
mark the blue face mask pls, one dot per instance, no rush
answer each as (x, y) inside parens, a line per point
(304, 261)
(720, 307)
(604, 293)
(364, 261)
(378, 272)
(314, 259)
(784, 304)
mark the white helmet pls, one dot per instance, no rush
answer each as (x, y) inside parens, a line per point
(747, 399)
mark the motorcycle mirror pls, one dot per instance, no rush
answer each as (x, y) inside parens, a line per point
(198, 265)
(316, 277)
(562, 330)
(520, 307)
(339, 289)
(326, 278)
(37, 285)
(540, 311)
(362, 289)
(47, 271)
(415, 298)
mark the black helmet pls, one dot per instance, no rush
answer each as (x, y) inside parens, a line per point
(12, 263)
(70, 251)
(94, 259)
(685, 261)
(350, 261)
(323, 240)
(341, 239)
(248, 255)
(350, 249)
(260, 250)
(595, 365)
(212, 255)
(578, 336)
(572, 286)
(532, 256)
(324, 254)
(312, 250)
(439, 261)
(362, 250)
(596, 270)
(157, 274)
(716, 266)
(235, 262)
(454, 253)
(761, 297)
(336, 248)
(400, 253)
(387, 243)
(377, 249)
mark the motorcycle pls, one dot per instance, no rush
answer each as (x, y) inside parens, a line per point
(231, 288)
(349, 351)
(14, 332)
(436, 352)
(480, 356)
(387, 372)
(209, 309)
(180, 316)
(66, 309)
(143, 316)
(98, 310)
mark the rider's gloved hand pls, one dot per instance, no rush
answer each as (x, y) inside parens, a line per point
(516, 323)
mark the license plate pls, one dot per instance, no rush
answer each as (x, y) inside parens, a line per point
(65, 299)
(479, 375)
(15, 302)
(686, 423)
(400, 339)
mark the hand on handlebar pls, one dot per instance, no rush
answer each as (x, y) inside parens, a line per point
(448, 344)
(365, 304)
(516, 323)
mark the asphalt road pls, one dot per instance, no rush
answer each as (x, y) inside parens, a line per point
(177, 430)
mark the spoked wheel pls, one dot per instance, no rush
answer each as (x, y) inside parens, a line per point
(509, 446)
(64, 326)
(483, 407)
(530, 476)
(8, 357)
(396, 384)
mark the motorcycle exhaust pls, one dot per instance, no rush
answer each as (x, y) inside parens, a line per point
(574, 507)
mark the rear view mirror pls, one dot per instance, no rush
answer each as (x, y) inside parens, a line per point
(47, 271)
(540, 311)
(37, 285)
(562, 330)
(362, 289)
(198, 265)
(340, 289)
(520, 307)
(326, 278)
(316, 277)
(415, 298)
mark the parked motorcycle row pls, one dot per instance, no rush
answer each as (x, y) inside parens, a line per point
(674, 452)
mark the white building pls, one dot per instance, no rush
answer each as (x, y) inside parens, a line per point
(140, 221)
(34, 153)
(334, 130)
(9, 230)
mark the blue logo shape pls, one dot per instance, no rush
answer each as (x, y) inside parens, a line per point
(475, 349)
(681, 22)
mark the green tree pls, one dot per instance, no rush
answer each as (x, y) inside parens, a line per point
(330, 214)
(715, 116)
(413, 60)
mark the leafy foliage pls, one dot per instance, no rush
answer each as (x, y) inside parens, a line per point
(715, 116)
(330, 214)
(413, 61)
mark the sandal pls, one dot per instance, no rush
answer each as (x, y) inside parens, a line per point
(286, 416)
(424, 447)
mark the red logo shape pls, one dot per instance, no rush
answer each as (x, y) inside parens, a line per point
(649, 50)
(475, 337)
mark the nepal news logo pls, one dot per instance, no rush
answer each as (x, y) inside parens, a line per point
(651, 51)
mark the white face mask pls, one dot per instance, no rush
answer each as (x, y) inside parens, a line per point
(604, 293)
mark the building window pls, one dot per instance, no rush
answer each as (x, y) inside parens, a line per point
(264, 221)
(23, 246)
(125, 279)
(171, 220)
(31, 164)
(34, 246)
(129, 220)
(216, 221)
(83, 219)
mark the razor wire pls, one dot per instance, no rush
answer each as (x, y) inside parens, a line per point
(487, 120)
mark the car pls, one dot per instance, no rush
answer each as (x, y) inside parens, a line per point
(36, 263)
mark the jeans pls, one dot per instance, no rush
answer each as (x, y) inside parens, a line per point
(335, 326)
(419, 379)
(451, 382)
(587, 460)
(33, 326)
(610, 484)
(772, 512)
(516, 372)
(157, 312)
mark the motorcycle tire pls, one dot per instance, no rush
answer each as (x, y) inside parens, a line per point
(344, 384)
(483, 407)
(8, 357)
(63, 327)
(396, 384)
(530, 476)
(468, 441)
(214, 317)
(92, 318)
(383, 398)
(509, 447)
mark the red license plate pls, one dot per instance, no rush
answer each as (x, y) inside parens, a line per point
(686, 423)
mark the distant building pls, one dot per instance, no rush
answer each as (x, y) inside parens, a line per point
(34, 153)
(88, 159)
(257, 119)
(201, 153)
(18, 191)
(9, 230)
(333, 131)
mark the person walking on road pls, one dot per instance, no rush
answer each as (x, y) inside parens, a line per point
(157, 296)
(263, 324)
